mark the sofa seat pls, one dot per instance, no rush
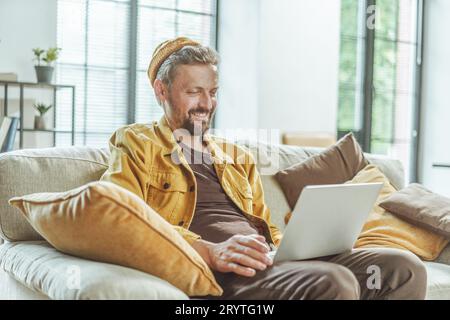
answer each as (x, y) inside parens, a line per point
(40, 271)
(48, 272)
(438, 282)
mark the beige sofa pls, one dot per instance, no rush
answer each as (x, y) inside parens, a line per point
(31, 269)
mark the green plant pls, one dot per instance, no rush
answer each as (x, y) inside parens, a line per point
(50, 55)
(42, 108)
(38, 53)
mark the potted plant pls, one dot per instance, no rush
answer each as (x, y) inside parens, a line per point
(39, 121)
(45, 73)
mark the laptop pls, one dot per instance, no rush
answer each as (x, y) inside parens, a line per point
(326, 220)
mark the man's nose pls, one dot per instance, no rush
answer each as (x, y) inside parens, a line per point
(205, 101)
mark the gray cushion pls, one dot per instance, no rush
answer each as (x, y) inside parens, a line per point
(43, 269)
(43, 170)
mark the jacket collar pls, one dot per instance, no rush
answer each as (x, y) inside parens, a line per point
(171, 144)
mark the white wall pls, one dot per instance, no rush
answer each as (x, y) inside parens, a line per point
(26, 24)
(280, 62)
(299, 64)
(435, 130)
(239, 50)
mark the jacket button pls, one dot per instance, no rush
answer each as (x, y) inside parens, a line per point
(166, 185)
(181, 223)
(192, 189)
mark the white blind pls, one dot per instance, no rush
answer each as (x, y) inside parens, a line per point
(159, 20)
(95, 39)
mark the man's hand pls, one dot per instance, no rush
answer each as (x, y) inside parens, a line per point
(240, 254)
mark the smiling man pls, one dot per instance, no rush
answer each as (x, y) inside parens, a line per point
(211, 192)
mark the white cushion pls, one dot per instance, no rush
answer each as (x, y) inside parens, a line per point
(438, 281)
(43, 269)
(11, 289)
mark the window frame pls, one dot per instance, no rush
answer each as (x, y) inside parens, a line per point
(364, 134)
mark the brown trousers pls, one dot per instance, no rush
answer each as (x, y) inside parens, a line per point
(375, 273)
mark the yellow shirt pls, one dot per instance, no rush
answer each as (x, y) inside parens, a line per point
(146, 159)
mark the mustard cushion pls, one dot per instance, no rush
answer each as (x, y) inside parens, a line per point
(105, 222)
(383, 229)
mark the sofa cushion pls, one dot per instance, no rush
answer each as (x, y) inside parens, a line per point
(43, 269)
(444, 257)
(43, 170)
(270, 158)
(337, 164)
(422, 207)
(104, 222)
(11, 289)
(438, 281)
(383, 229)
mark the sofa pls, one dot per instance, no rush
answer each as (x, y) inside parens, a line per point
(30, 268)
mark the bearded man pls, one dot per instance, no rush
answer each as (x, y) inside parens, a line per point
(211, 192)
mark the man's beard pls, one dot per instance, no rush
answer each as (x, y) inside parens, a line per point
(197, 127)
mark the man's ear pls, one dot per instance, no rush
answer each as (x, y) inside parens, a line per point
(160, 90)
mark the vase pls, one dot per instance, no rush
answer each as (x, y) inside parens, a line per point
(39, 123)
(44, 74)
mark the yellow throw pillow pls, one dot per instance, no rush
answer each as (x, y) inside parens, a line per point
(105, 222)
(383, 229)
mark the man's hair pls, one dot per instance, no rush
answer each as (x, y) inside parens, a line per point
(188, 55)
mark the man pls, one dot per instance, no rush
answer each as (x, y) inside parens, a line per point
(211, 192)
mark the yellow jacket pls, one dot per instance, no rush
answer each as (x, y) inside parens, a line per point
(142, 161)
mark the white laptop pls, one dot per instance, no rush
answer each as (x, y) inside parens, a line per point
(326, 220)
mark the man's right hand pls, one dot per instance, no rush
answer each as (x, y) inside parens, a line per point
(240, 254)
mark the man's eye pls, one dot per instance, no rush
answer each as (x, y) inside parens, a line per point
(192, 92)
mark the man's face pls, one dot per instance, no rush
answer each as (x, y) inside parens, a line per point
(191, 101)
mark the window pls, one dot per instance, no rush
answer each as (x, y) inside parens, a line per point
(106, 47)
(378, 76)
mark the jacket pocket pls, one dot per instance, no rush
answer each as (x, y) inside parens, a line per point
(165, 192)
(242, 192)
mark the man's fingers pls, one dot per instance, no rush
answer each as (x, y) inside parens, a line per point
(240, 270)
(255, 254)
(247, 261)
(254, 243)
(228, 266)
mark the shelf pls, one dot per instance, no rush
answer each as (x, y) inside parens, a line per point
(63, 131)
(35, 84)
(45, 130)
(441, 165)
(24, 86)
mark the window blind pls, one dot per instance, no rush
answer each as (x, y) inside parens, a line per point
(393, 79)
(95, 39)
(159, 20)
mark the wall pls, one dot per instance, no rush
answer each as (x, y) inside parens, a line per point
(299, 64)
(239, 50)
(280, 61)
(24, 25)
(435, 129)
